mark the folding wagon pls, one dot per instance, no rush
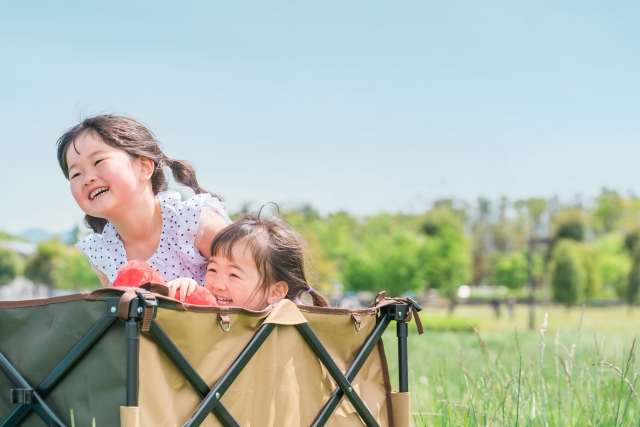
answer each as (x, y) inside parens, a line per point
(130, 357)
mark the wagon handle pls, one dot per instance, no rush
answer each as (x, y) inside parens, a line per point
(357, 322)
(224, 320)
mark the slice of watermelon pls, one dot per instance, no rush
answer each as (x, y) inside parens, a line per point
(199, 296)
(136, 273)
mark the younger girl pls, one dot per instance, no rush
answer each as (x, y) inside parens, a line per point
(257, 262)
(116, 172)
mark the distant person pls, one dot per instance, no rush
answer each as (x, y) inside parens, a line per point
(116, 172)
(495, 304)
(511, 304)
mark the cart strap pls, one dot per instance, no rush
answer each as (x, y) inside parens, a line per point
(413, 312)
(125, 301)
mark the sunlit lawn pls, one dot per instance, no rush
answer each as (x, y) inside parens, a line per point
(455, 382)
(616, 319)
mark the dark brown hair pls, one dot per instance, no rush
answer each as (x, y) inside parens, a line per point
(138, 141)
(277, 251)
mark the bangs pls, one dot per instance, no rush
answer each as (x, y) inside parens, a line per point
(224, 247)
(244, 238)
(68, 140)
(276, 250)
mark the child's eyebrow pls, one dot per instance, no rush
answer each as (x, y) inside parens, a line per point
(90, 155)
(238, 267)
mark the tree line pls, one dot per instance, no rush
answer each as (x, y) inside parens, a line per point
(569, 251)
(575, 251)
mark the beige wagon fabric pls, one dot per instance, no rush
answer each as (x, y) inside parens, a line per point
(284, 384)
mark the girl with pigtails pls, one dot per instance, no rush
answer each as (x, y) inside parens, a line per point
(115, 168)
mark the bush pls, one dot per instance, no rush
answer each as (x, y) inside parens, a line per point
(567, 274)
(591, 264)
(633, 282)
(570, 225)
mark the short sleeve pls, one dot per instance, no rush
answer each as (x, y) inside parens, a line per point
(98, 256)
(211, 206)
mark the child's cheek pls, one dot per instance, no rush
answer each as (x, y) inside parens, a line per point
(76, 192)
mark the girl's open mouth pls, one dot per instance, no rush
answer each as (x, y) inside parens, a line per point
(98, 192)
(223, 301)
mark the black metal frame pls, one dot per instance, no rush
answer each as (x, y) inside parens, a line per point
(34, 399)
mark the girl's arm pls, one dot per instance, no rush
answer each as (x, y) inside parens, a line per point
(104, 280)
(210, 224)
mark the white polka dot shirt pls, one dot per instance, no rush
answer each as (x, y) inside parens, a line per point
(176, 255)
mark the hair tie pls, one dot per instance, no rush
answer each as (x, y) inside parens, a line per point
(308, 291)
(166, 161)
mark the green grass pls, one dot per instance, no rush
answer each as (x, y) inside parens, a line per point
(504, 375)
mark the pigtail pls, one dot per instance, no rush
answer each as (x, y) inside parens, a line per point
(185, 174)
(95, 223)
(318, 299)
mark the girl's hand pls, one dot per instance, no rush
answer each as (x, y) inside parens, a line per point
(184, 285)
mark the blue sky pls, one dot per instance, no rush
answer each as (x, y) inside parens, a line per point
(363, 106)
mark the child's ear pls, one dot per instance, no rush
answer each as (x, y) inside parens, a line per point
(147, 166)
(277, 292)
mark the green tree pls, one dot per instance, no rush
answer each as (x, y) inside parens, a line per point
(6, 236)
(386, 262)
(446, 262)
(9, 266)
(440, 218)
(609, 210)
(510, 269)
(567, 273)
(399, 253)
(535, 208)
(631, 239)
(72, 271)
(481, 242)
(570, 224)
(41, 265)
(328, 241)
(58, 266)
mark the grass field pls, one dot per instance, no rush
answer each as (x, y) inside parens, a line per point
(574, 373)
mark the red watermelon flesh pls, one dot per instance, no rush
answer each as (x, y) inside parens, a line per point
(136, 273)
(199, 296)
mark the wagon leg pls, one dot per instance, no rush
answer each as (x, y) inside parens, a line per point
(132, 333)
(402, 330)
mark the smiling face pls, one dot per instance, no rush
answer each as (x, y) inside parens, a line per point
(235, 282)
(104, 179)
